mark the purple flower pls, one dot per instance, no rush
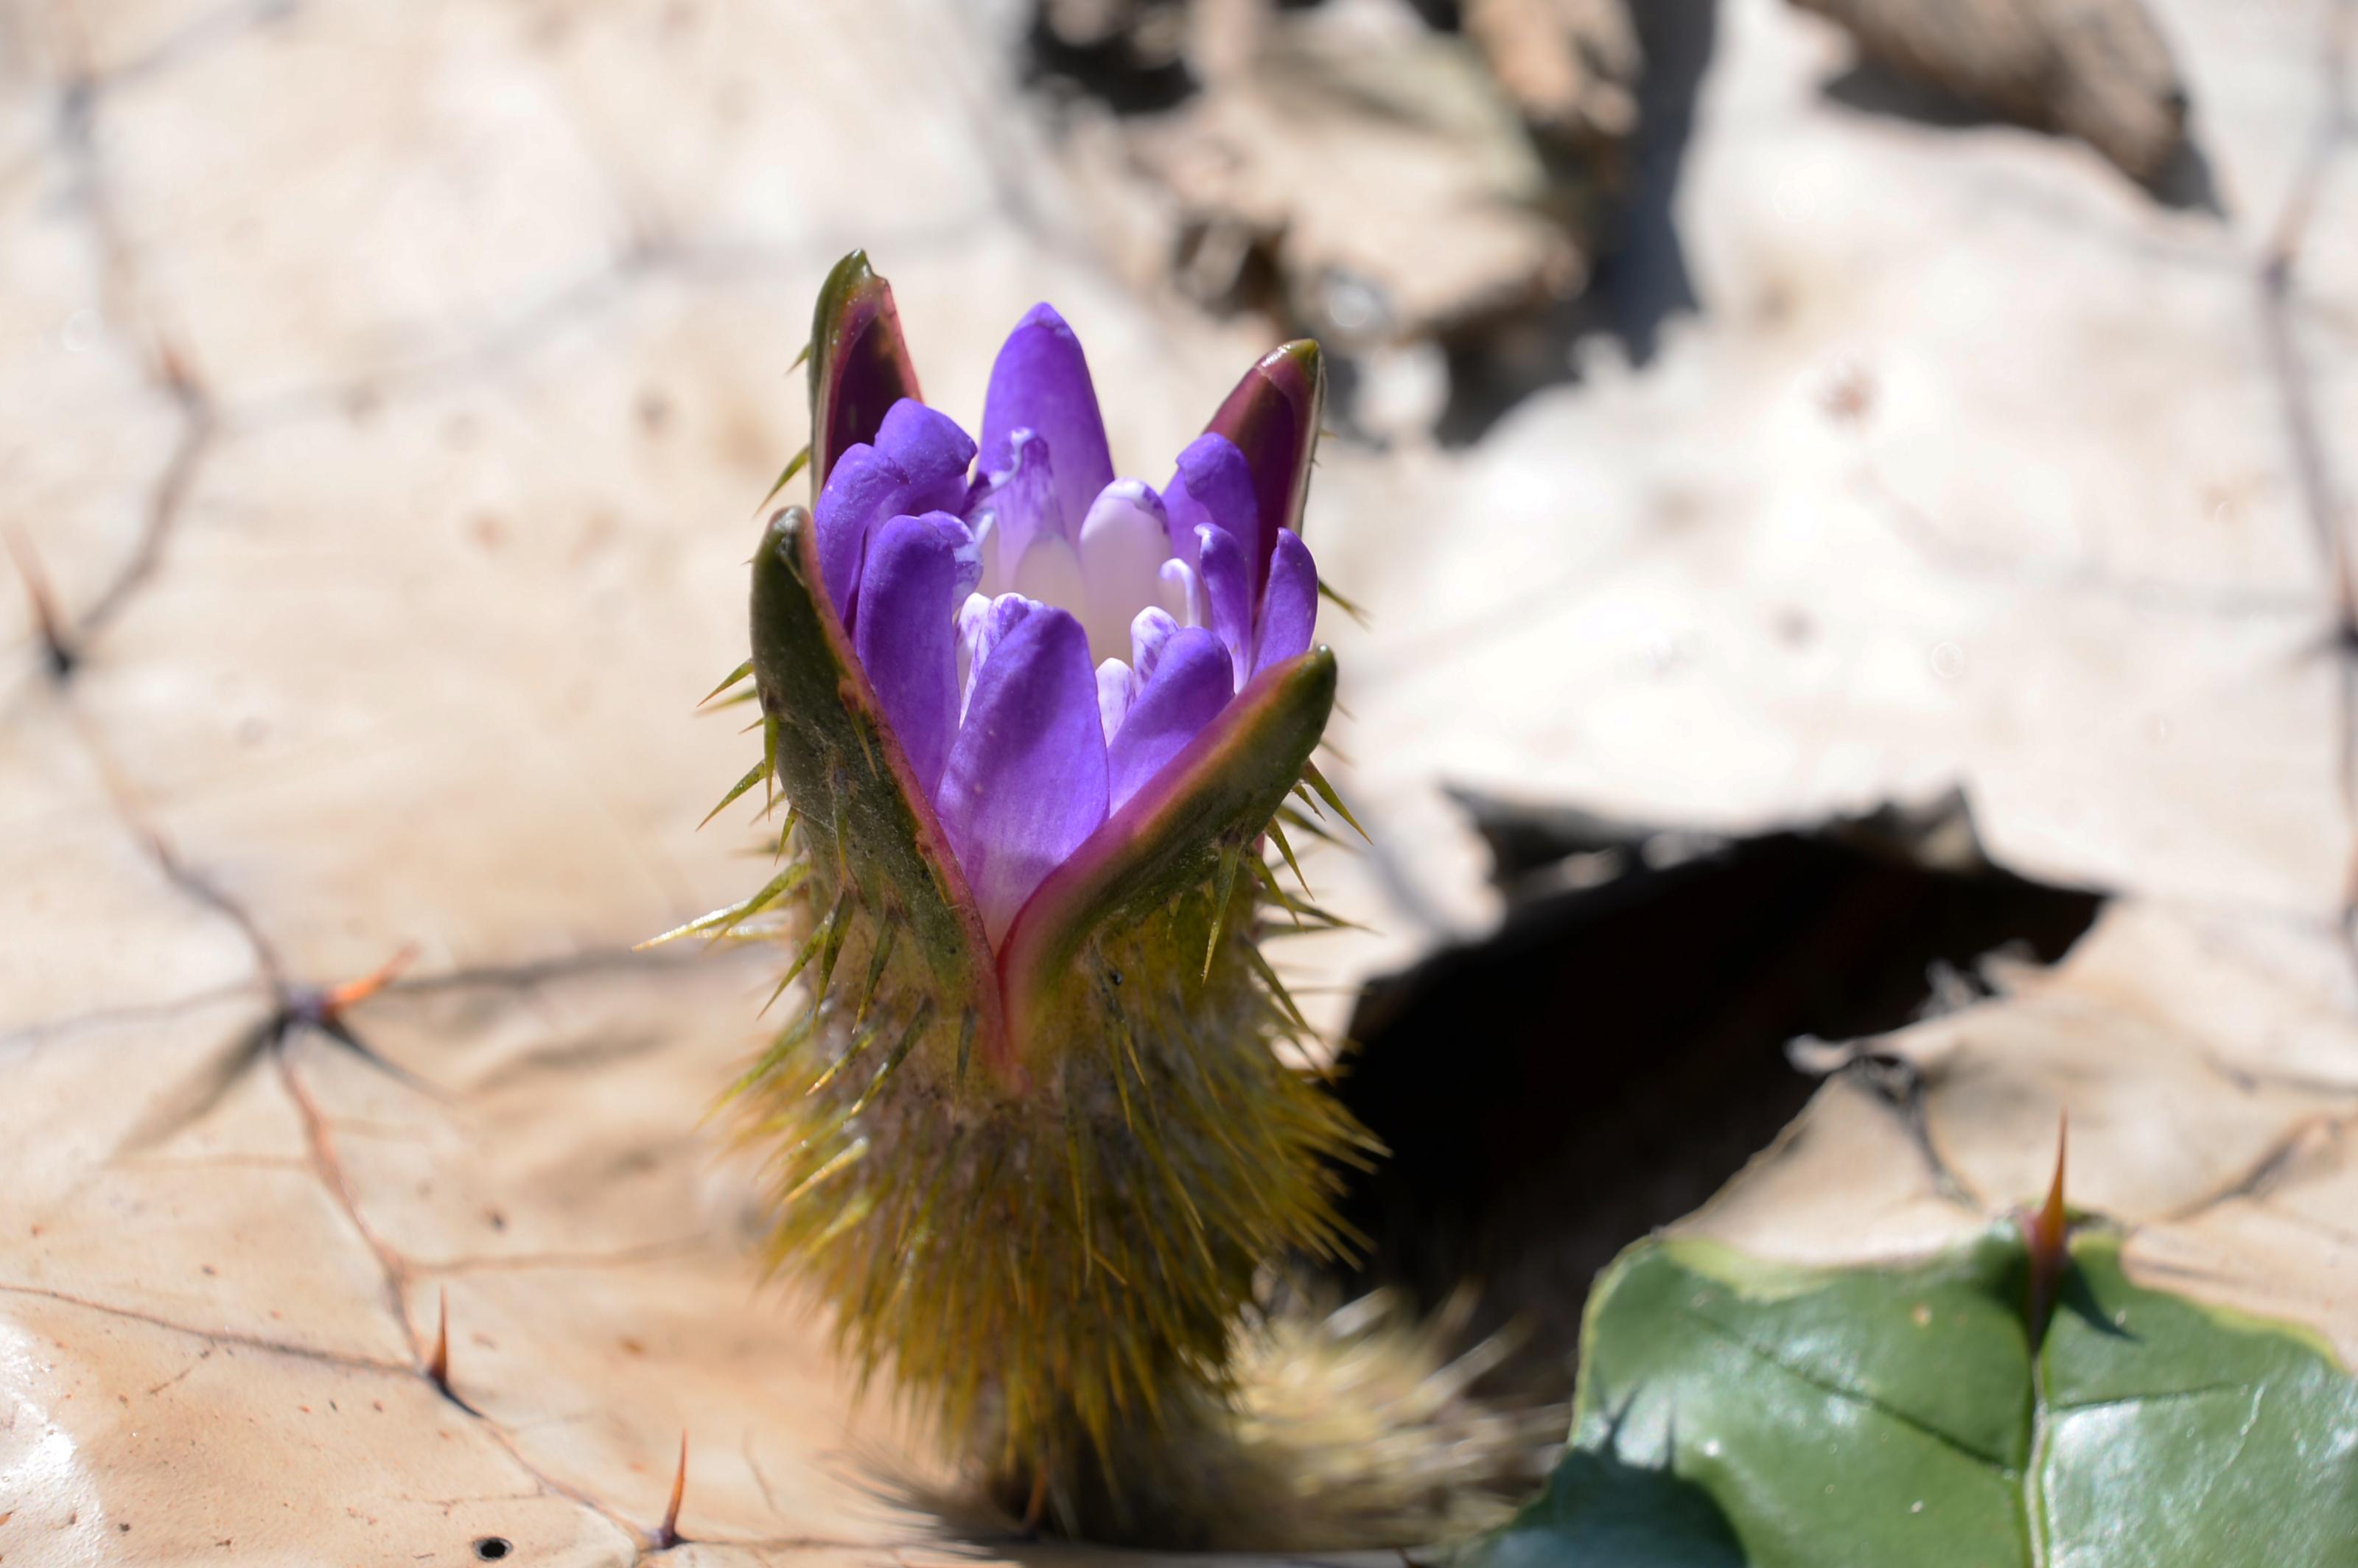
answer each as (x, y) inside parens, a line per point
(1032, 723)
(1042, 637)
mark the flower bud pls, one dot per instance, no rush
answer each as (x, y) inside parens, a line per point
(1029, 1133)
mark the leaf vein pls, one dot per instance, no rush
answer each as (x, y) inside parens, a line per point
(1854, 1396)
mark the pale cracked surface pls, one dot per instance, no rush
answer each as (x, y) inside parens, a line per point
(386, 397)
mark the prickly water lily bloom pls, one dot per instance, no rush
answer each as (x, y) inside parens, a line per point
(1031, 1134)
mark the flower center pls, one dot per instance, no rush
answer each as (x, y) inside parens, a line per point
(1114, 572)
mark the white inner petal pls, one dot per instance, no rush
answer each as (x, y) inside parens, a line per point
(1149, 630)
(1117, 689)
(1123, 547)
(1050, 572)
(986, 553)
(974, 615)
(1119, 581)
(1021, 504)
(1183, 594)
(965, 555)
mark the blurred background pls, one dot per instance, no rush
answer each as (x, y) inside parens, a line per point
(1838, 489)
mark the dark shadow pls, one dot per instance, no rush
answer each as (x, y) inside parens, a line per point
(1600, 1508)
(1112, 70)
(1641, 278)
(1874, 89)
(2185, 184)
(1616, 1051)
(1441, 15)
(2072, 1295)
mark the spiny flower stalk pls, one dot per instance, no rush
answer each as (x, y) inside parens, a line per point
(1029, 1134)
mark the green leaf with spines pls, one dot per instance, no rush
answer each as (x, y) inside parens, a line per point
(1738, 1413)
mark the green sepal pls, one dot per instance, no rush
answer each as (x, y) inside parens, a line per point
(1207, 804)
(1273, 416)
(859, 364)
(840, 765)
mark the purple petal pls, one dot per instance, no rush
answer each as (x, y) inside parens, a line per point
(960, 540)
(964, 549)
(932, 451)
(1020, 502)
(1190, 686)
(918, 467)
(1025, 783)
(906, 636)
(1008, 612)
(1227, 588)
(1213, 487)
(1289, 606)
(866, 488)
(1040, 382)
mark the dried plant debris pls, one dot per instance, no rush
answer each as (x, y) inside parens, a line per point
(1571, 65)
(2097, 69)
(408, 639)
(1360, 169)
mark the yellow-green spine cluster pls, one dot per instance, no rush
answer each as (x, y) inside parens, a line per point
(1049, 1257)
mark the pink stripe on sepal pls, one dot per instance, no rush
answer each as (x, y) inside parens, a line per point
(1273, 417)
(1214, 799)
(859, 365)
